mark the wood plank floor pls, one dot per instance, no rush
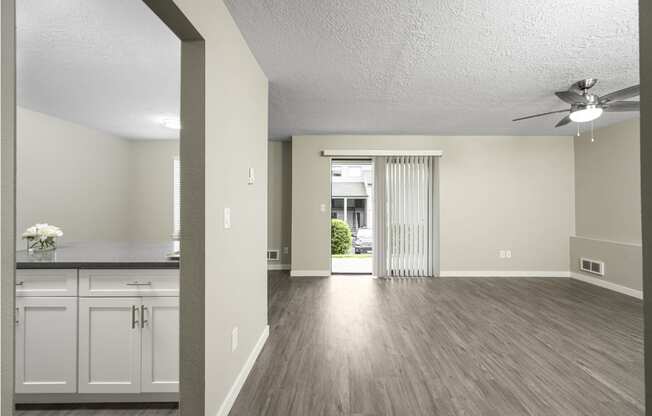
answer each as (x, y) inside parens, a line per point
(448, 346)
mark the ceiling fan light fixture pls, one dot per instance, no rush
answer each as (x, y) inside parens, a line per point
(586, 114)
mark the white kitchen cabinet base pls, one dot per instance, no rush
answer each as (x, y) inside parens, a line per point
(160, 345)
(53, 398)
(46, 344)
(109, 345)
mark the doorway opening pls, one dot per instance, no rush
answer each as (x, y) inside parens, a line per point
(352, 204)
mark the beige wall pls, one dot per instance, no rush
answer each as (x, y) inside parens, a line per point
(279, 209)
(608, 202)
(71, 176)
(236, 139)
(496, 193)
(95, 186)
(151, 189)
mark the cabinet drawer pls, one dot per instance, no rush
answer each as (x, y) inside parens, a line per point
(46, 282)
(136, 282)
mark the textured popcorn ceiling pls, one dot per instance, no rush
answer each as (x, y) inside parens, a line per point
(435, 66)
(107, 64)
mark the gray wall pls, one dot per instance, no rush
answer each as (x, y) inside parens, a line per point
(151, 189)
(279, 208)
(71, 176)
(608, 203)
(236, 139)
(496, 193)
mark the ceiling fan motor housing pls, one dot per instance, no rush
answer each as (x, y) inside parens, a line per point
(585, 84)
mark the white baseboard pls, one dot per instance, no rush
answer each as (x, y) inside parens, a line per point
(503, 273)
(310, 273)
(278, 267)
(228, 402)
(607, 285)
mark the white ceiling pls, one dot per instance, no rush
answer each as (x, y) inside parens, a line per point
(435, 67)
(107, 64)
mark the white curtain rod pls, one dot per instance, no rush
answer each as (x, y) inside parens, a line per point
(369, 153)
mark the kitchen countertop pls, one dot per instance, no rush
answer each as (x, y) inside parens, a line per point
(100, 255)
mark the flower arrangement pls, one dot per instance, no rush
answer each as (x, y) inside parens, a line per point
(42, 237)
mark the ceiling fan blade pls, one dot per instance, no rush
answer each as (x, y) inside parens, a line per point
(617, 106)
(564, 121)
(540, 115)
(633, 91)
(571, 97)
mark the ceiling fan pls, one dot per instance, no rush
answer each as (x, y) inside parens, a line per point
(588, 107)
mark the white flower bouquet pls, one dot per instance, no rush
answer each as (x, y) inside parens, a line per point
(42, 236)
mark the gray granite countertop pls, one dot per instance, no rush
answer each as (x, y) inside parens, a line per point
(100, 255)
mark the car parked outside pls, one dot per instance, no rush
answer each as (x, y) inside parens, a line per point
(363, 241)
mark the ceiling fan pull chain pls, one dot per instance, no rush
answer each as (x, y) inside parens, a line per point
(592, 135)
(578, 129)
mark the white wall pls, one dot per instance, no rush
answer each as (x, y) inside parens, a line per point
(151, 189)
(71, 176)
(279, 208)
(608, 203)
(236, 139)
(496, 193)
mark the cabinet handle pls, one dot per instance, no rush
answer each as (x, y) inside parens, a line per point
(134, 321)
(20, 283)
(143, 321)
(139, 284)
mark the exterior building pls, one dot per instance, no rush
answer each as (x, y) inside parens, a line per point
(352, 193)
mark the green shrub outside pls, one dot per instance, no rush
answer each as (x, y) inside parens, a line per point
(341, 239)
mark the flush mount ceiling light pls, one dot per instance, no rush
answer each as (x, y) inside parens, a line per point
(171, 123)
(585, 114)
(587, 107)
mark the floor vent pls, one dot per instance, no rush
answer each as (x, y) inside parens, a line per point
(272, 255)
(592, 266)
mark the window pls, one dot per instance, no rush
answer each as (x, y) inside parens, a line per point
(177, 198)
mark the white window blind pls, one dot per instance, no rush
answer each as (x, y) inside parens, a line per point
(177, 198)
(407, 217)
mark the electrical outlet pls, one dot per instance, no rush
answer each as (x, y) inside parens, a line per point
(322, 208)
(502, 254)
(286, 250)
(508, 254)
(234, 339)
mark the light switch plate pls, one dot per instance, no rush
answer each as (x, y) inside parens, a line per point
(227, 218)
(252, 178)
(234, 339)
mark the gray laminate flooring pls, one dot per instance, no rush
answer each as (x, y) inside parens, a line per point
(447, 346)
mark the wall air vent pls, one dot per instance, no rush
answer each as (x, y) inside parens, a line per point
(272, 255)
(592, 266)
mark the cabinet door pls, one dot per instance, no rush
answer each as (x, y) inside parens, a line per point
(109, 345)
(160, 353)
(46, 345)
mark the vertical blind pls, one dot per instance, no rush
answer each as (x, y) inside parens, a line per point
(407, 216)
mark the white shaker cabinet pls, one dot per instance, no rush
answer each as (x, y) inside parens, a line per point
(46, 344)
(97, 331)
(129, 345)
(109, 345)
(160, 344)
